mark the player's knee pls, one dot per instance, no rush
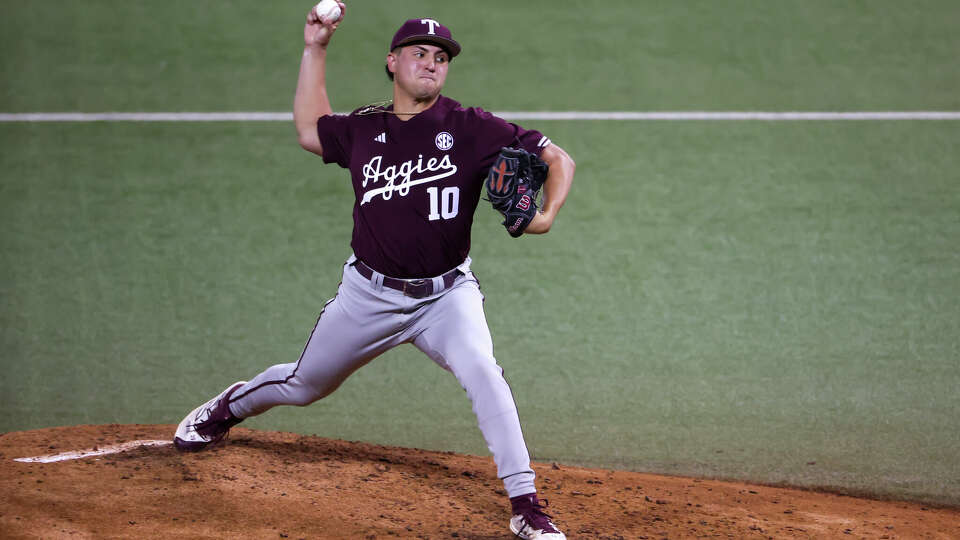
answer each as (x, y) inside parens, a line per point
(301, 393)
(302, 399)
(484, 373)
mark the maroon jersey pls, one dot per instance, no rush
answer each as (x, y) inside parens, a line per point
(418, 182)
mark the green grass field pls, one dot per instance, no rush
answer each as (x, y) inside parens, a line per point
(725, 299)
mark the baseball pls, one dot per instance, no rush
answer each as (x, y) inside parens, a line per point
(328, 10)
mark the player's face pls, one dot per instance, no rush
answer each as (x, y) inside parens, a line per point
(420, 70)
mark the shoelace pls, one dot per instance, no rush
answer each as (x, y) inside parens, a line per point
(213, 427)
(536, 518)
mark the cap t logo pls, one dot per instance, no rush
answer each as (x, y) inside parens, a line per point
(432, 24)
(425, 30)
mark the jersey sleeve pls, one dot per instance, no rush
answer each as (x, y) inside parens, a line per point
(335, 138)
(495, 133)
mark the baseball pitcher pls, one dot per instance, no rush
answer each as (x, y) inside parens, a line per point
(419, 166)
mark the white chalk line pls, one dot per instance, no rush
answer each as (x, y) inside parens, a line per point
(508, 115)
(92, 452)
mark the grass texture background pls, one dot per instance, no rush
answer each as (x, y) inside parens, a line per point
(776, 302)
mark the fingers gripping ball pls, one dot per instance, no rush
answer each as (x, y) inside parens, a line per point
(328, 11)
(513, 184)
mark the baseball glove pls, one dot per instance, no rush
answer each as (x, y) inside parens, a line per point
(513, 184)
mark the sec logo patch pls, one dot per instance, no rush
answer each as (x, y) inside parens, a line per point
(444, 141)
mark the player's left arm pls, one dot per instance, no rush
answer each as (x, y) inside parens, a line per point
(555, 189)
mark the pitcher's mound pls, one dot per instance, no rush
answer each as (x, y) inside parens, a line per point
(280, 485)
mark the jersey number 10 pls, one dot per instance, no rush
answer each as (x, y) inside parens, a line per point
(444, 204)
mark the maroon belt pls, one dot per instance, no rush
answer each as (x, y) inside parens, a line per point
(414, 288)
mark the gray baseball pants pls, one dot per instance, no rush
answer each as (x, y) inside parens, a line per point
(366, 319)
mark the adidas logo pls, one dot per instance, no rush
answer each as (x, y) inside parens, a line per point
(381, 138)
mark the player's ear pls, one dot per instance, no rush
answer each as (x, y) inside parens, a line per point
(391, 66)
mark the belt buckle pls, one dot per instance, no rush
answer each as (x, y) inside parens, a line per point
(412, 283)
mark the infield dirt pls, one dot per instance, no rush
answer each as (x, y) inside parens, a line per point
(282, 485)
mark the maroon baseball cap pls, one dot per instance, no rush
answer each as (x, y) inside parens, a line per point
(425, 31)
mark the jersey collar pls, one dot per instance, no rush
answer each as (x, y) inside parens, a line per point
(437, 111)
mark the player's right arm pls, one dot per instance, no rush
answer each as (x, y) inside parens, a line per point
(311, 100)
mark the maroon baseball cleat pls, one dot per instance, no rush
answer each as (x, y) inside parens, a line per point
(530, 522)
(207, 424)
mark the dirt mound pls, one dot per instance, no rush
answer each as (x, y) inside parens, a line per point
(282, 485)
